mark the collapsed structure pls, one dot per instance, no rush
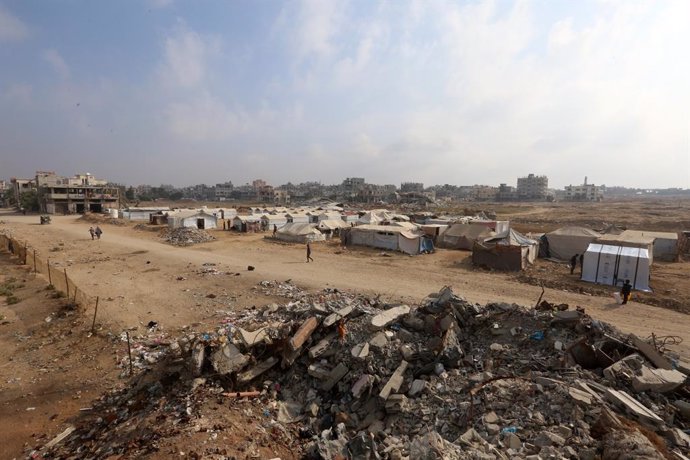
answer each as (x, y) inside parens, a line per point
(338, 375)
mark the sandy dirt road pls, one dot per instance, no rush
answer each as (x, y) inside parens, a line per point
(139, 276)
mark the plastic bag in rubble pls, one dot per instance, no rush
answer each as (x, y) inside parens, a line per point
(431, 446)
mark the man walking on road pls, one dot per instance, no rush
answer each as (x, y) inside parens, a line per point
(309, 252)
(98, 232)
(626, 290)
(92, 232)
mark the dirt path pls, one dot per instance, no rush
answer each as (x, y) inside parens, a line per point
(138, 275)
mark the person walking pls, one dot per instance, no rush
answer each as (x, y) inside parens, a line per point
(92, 232)
(98, 232)
(582, 262)
(573, 263)
(275, 230)
(309, 252)
(626, 291)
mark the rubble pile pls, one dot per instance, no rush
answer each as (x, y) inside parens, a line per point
(341, 375)
(187, 236)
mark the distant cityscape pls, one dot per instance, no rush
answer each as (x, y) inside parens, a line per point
(52, 193)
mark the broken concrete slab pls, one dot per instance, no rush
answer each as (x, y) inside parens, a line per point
(362, 384)
(395, 381)
(334, 377)
(333, 318)
(683, 407)
(318, 371)
(322, 346)
(396, 403)
(228, 358)
(253, 338)
(303, 333)
(651, 353)
(60, 437)
(389, 316)
(657, 380)
(632, 406)
(379, 340)
(257, 370)
(198, 358)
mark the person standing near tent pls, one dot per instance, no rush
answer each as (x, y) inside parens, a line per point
(573, 263)
(309, 252)
(98, 232)
(275, 230)
(582, 262)
(626, 290)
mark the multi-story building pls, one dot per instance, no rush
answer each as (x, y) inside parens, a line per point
(407, 187)
(532, 187)
(506, 193)
(79, 194)
(281, 196)
(3, 192)
(20, 186)
(584, 192)
(484, 192)
(224, 191)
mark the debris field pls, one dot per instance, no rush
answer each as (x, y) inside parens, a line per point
(338, 375)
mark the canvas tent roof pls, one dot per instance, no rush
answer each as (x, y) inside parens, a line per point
(333, 224)
(510, 238)
(463, 236)
(565, 242)
(297, 229)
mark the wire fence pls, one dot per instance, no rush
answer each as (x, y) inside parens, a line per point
(57, 277)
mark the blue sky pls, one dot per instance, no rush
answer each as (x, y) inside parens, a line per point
(465, 92)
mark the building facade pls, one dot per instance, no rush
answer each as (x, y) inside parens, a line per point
(79, 194)
(584, 192)
(532, 187)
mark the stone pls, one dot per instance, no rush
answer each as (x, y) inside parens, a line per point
(407, 352)
(416, 387)
(492, 428)
(303, 333)
(580, 396)
(563, 431)
(657, 380)
(396, 403)
(545, 439)
(334, 377)
(257, 370)
(362, 384)
(228, 358)
(198, 357)
(322, 346)
(389, 316)
(360, 351)
(447, 322)
(512, 441)
(683, 407)
(379, 340)
(491, 417)
(318, 371)
(395, 381)
(333, 318)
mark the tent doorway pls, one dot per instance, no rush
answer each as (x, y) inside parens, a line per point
(200, 224)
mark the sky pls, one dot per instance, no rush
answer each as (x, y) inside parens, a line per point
(459, 92)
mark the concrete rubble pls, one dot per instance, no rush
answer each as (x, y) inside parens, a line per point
(342, 375)
(187, 236)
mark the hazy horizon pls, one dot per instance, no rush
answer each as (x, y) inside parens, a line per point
(468, 92)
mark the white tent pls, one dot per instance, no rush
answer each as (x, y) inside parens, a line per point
(391, 237)
(568, 241)
(612, 265)
(299, 233)
(201, 219)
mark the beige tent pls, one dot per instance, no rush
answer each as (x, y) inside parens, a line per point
(463, 236)
(299, 233)
(509, 251)
(565, 242)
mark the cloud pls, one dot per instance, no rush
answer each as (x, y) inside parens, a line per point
(203, 118)
(187, 55)
(315, 27)
(58, 64)
(11, 28)
(158, 4)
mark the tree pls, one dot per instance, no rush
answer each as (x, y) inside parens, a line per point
(29, 200)
(129, 194)
(10, 199)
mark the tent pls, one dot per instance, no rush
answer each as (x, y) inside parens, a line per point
(509, 251)
(200, 219)
(665, 244)
(612, 265)
(463, 236)
(390, 237)
(247, 223)
(565, 242)
(269, 220)
(299, 233)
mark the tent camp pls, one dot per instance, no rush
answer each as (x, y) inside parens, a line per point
(332, 227)
(269, 220)
(247, 223)
(509, 251)
(463, 236)
(299, 233)
(389, 237)
(612, 265)
(565, 242)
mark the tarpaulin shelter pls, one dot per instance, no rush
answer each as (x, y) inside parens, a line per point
(463, 236)
(565, 242)
(390, 237)
(510, 251)
(629, 240)
(612, 265)
(299, 233)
